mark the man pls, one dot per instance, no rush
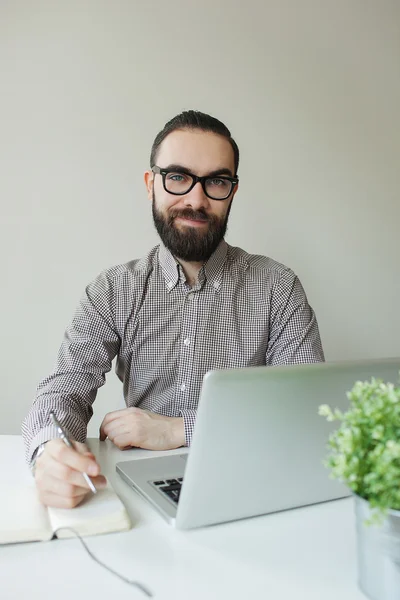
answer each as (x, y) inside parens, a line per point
(194, 303)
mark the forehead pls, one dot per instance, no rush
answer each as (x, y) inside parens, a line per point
(199, 151)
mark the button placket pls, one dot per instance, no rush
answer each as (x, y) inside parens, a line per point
(186, 354)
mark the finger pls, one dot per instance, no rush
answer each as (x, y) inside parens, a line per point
(72, 458)
(46, 464)
(109, 418)
(56, 501)
(108, 424)
(63, 488)
(65, 473)
(122, 441)
(88, 453)
(116, 428)
(58, 474)
(102, 431)
(122, 412)
(102, 435)
(113, 416)
(83, 449)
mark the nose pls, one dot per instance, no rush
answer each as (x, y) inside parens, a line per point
(196, 198)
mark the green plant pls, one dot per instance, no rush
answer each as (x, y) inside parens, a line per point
(365, 449)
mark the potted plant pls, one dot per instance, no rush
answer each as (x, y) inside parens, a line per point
(365, 455)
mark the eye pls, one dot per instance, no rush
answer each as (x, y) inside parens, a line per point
(218, 182)
(177, 177)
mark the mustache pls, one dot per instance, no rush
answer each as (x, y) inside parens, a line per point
(189, 213)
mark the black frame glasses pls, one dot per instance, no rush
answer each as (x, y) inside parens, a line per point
(195, 179)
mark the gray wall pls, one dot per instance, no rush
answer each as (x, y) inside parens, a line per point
(310, 90)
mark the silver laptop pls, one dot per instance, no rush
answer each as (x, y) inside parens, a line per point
(258, 444)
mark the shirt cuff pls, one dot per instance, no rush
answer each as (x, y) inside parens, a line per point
(189, 421)
(44, 435)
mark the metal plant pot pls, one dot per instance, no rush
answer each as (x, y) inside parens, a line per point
(378, 553)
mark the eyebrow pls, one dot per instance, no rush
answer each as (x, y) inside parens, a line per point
(181, 169)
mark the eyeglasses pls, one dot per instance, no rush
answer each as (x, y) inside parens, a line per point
(218, 187)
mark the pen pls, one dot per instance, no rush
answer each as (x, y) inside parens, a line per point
(68, 443)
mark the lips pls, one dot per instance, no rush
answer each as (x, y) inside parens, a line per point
(193, 219)
(190, 222)
(190, 215)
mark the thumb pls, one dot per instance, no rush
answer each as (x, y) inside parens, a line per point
(82, 449)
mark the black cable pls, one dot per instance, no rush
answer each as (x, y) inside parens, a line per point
(140, 586)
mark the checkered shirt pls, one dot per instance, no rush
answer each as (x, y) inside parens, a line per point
(245, 310)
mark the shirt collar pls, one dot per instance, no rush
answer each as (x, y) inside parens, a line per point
(211, 270)
(215, 265)
(169, 267)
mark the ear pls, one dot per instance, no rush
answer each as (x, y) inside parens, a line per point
(235, 189)
(149, 183)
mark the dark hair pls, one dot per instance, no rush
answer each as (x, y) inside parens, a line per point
(194, 119)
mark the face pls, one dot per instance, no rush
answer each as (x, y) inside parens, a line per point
(192, 225)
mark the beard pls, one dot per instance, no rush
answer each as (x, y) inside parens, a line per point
(192, 244)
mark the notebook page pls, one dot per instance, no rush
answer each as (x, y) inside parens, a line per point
(22, 516)
(100, 513)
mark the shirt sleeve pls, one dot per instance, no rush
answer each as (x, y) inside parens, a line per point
(189, 421)
(90, 343)
(294, 334)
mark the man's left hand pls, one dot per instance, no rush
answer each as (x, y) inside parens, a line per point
(134, 427)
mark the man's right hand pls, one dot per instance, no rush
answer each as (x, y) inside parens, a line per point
(59, 474)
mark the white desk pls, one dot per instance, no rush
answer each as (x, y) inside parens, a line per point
(307, 553)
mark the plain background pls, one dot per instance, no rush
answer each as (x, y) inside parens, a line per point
(311, 93)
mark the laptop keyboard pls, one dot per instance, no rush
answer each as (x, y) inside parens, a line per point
(170, 487)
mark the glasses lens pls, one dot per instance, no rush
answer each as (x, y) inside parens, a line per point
(218, 187)
(178, 183)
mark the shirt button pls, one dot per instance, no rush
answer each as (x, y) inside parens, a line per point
(187, 342)
(183, 387)
(190, 296)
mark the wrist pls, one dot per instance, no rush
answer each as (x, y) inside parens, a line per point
(39, 450)
(177, 432)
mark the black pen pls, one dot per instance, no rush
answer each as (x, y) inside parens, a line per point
(68, 443)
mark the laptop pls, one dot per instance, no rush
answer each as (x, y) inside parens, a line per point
(258, 444)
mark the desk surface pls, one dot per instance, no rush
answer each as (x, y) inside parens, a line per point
(307, 553)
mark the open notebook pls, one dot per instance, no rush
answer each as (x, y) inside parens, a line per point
(24, 519)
